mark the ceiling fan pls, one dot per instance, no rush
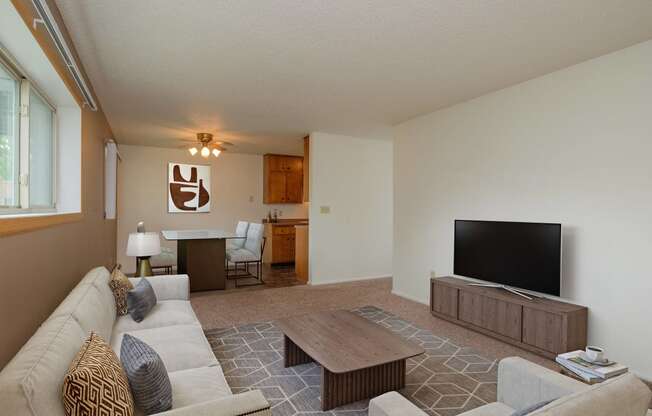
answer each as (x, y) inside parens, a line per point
(205, 146)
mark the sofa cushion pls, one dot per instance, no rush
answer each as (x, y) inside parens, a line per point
(95, 312)
(68, 305)
(393, 404)
(165, 313)
(168, 287)
(95, 275)
(101, 282)
(180, 346)
(491, 409)
(623, 396)
(96, 383)
(97, 278)
(530, 409)
(30, 384)
(90, 303)
(148, 378)
(198, 385)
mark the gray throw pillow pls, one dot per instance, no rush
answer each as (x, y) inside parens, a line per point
(148, 378)
(140, 300)
(532, 408)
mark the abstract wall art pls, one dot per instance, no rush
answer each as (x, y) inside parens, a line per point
(189, 188)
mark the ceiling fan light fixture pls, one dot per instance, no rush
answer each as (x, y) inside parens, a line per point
(206, 146)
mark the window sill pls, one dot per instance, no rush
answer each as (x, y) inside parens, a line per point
(14, 224)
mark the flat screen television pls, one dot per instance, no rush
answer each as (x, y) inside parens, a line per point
(516, 254)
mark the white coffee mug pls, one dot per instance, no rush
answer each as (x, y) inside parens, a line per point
(594, 353)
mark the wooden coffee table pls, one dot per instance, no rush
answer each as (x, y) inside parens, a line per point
(359, 359)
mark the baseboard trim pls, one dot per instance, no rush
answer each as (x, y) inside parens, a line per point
(408, 297)
(349, 280)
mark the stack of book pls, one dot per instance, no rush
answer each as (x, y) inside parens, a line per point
(577, 364)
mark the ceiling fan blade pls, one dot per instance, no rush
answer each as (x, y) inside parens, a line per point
(223, 143)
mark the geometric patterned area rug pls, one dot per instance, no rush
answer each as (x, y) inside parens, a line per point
(447, 380)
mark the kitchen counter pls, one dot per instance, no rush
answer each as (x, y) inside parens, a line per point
(287, 222)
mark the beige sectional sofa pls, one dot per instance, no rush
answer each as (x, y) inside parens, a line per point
(522, 383)
(31, 382)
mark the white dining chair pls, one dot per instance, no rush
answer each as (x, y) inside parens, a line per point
(240, 231)
(251, 253)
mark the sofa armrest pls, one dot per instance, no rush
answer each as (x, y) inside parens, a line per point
(522, 383)
(250, 403)
(393, 404)
(168, 287)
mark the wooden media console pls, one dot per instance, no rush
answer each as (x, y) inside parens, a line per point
(544, 326)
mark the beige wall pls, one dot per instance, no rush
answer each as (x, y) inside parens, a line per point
(142, 193)
(39, 268)
(573, 147)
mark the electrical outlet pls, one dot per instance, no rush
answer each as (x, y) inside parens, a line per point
(251, 198)
(324, 209)
(433, 274)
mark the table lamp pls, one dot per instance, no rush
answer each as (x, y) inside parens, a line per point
(143, 245)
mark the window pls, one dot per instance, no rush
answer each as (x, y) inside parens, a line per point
(9, 105)
(27, 146)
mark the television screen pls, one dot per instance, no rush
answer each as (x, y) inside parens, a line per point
(518, 254)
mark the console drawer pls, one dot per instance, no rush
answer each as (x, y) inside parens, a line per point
(444, 300)
(492, 314)
(543, 329)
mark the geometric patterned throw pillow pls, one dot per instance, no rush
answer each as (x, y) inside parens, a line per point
(96, 384)
(120, 285)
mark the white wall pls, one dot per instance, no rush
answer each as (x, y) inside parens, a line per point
(574, 147)
(142, 193)
(353, 177)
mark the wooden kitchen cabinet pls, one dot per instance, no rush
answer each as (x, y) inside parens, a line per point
(306, 169)
(283, 249)
(283, 179)
(281, 243)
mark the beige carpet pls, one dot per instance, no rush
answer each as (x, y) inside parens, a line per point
(221, 310)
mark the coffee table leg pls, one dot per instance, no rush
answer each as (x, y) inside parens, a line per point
(293, 354)
(338, 389)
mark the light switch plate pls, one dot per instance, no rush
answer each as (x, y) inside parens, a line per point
(324, 209)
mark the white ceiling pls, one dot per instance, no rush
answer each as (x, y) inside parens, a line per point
(262, 74)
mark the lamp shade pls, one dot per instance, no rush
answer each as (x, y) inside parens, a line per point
(143, 245)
